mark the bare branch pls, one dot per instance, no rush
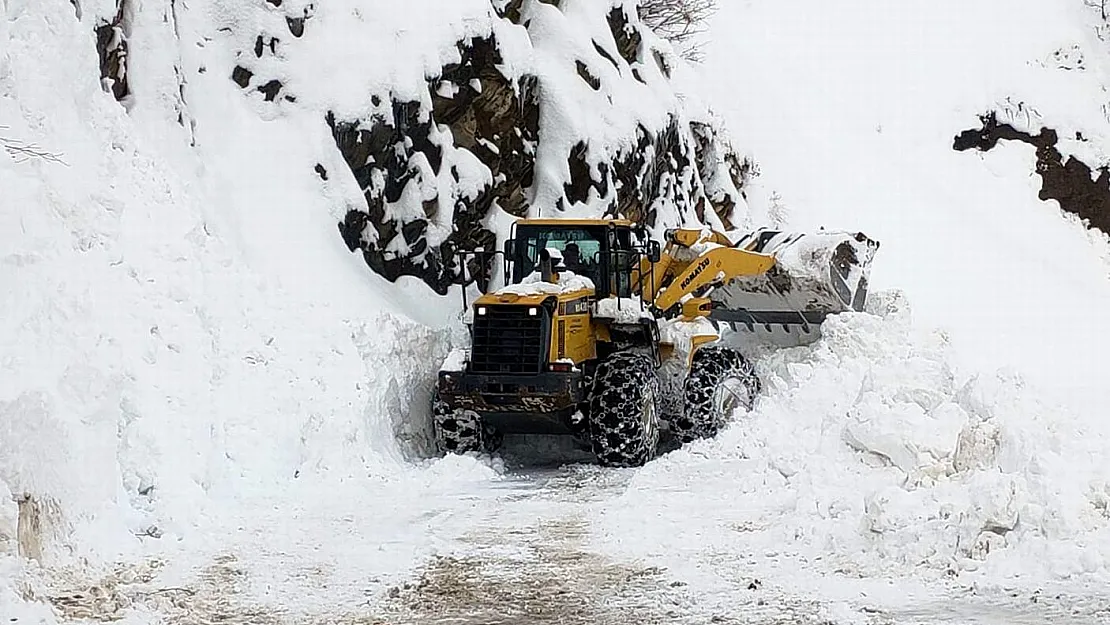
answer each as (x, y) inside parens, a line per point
(22, 152)
(1101, 5)
(679, 21)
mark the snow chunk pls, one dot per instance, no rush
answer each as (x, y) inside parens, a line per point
(533, 284)
(456, 360)
(621, 309)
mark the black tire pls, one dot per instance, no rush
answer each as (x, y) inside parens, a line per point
(720, 381)
(458, 431)
(624, 410)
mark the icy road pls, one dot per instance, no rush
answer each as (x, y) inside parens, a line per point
(523, 547)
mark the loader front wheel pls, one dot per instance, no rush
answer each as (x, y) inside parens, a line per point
(624, 410)
(459, 431)
(720, 382)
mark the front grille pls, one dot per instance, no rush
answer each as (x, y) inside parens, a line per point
(509, 340)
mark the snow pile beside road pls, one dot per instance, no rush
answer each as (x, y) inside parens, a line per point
(888, 447)
(868, 455)
(181, 325)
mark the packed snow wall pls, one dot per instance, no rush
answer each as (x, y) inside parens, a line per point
(181, 322)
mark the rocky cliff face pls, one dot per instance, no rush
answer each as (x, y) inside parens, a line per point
(552, 108)
(672, 165)
(1066, 179)
(453, 117)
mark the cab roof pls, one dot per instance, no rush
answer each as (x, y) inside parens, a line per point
(575, 222)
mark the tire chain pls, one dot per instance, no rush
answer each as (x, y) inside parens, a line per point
(712, 366)
(457, 431)
(617, 434)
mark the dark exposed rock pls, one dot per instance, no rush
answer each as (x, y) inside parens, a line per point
(637, 180)
(270, 89)
(403, 162)
(509, 9)
(584, 72)
(276, 3)
(628, 38)
(260, 45)
(241, 76)
(321, 171)
(489, 116)
(499, 124)
(664, 66)
(112, 47)
(1069, 181)
(605, 55)
(296, 25)
(578, 189)
(708, 155)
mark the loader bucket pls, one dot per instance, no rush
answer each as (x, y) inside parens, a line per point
(815, 275)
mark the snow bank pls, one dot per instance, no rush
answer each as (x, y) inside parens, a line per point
(968, 439)
(869, 456)
(181, 324)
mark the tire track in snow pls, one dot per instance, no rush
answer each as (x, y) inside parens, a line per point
(515, 550)
(539, 575)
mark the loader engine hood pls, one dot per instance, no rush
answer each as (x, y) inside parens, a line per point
(815, 275)
(533, 289)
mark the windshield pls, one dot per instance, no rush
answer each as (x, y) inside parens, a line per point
(581, 249)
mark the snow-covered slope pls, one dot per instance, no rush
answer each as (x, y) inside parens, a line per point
(960, 428)
(193, 366)
(180, 321)
(182, 327)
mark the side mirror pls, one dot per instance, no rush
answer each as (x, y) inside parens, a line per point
(510, 249)
(654, 251)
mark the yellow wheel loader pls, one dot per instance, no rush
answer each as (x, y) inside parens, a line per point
(604, 334)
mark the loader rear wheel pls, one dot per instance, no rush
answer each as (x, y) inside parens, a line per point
(721, 381)
(624, 410)
(458, 431)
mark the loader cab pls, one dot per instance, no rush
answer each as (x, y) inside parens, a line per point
(605, 251)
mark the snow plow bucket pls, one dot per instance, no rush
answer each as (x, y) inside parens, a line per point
(815, 275)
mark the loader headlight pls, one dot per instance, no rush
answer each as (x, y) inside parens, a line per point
(532, 312)
(482, 310)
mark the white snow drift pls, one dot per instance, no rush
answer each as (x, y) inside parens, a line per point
(183, 335)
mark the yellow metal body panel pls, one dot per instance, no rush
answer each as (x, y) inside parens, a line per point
(697, 307)
(494, 299)
(573, 333)
(718, 265)
(687, 237)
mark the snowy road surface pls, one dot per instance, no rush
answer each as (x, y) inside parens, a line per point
(517, 546)
(870, 484)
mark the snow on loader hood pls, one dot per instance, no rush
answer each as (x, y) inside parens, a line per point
(534, 284)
